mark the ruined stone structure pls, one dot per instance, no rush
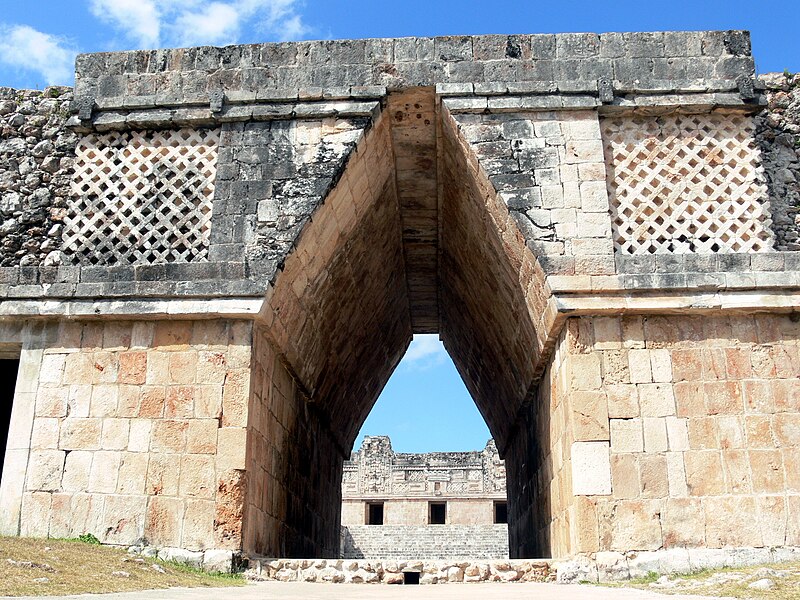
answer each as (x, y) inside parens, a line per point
(211, 268)
(423, 506)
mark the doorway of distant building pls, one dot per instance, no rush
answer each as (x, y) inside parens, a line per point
(375, 513)
(9, 366)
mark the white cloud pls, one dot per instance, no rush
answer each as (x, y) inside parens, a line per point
(26, 49)
(158, 23)
(425, 351)
(139, 19)
(216, 23)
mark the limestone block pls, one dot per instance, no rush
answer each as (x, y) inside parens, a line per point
(132, 473)
(585, 372)
(79, 400)
(661, 365)
(723, 398)
(703, 433)
(80, 434)
(703, 470)
(179, 402)
(201, 437)
(179, 555)
(77, 466)
(151, 404)
(45, 434)
(624, 475)
(211, 367)
(35, 515)
(104, 472)
(115, 434)
(235, 398)
(79, 368)
(636, 526)
(104, 401)
(626, 435)
(182, 367)
(585, 526)
(51, 401)
(639, 366)
(676, 474)
(689, 399)
(772, 517)
(656, 400)
(655, 434)
(139, 435)
(654, 480)
(767, 471)
(611, 566)
(231, 446)
(590, 416)
(591, 468)
(732, 521)
(208, 401)
(786, 428)
(615, 367)
(623, 401)
(52, 369)
(198, 524)
(677, 434)
(132, 368)
(123, 519)
(197, 476)
(106, 367)
(45, 470)
(162, 475)
(218, 561)
(157, 368)
(163, 524)
(169, 436)
(687, 365)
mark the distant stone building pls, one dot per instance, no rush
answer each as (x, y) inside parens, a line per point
(436, 505)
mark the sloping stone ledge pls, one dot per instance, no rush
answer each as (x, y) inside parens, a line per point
(616, 566)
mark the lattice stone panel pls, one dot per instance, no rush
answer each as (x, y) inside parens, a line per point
(686, 183)
(142, 197)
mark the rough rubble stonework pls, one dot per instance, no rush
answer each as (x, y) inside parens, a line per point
(779, 140)
(201, 400)
(36, 159)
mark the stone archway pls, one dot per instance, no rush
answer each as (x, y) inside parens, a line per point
(382, 259)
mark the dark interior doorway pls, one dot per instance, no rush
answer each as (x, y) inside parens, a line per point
(375, 513)
(8, 381)
(500, 513)
(438, 512)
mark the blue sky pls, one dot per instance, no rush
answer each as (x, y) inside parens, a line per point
(39, 38)
(425, 405)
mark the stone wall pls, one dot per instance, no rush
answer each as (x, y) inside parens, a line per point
(779, 139)
(684, 433)
(434, 542)
(36, 161)
(135, 433)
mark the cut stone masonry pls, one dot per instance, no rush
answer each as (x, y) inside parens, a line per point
(635, 357)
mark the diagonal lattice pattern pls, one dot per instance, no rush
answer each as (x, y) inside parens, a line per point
(142, 197)
(686, 183)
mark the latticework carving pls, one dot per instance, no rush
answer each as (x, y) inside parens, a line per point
(686, 183)
(142, 197)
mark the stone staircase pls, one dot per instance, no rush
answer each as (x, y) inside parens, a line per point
(426, 542)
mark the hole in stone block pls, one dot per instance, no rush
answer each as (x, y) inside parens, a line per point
(410, 577)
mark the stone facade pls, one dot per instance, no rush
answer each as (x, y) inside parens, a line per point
(468, 486)
(318, 203)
